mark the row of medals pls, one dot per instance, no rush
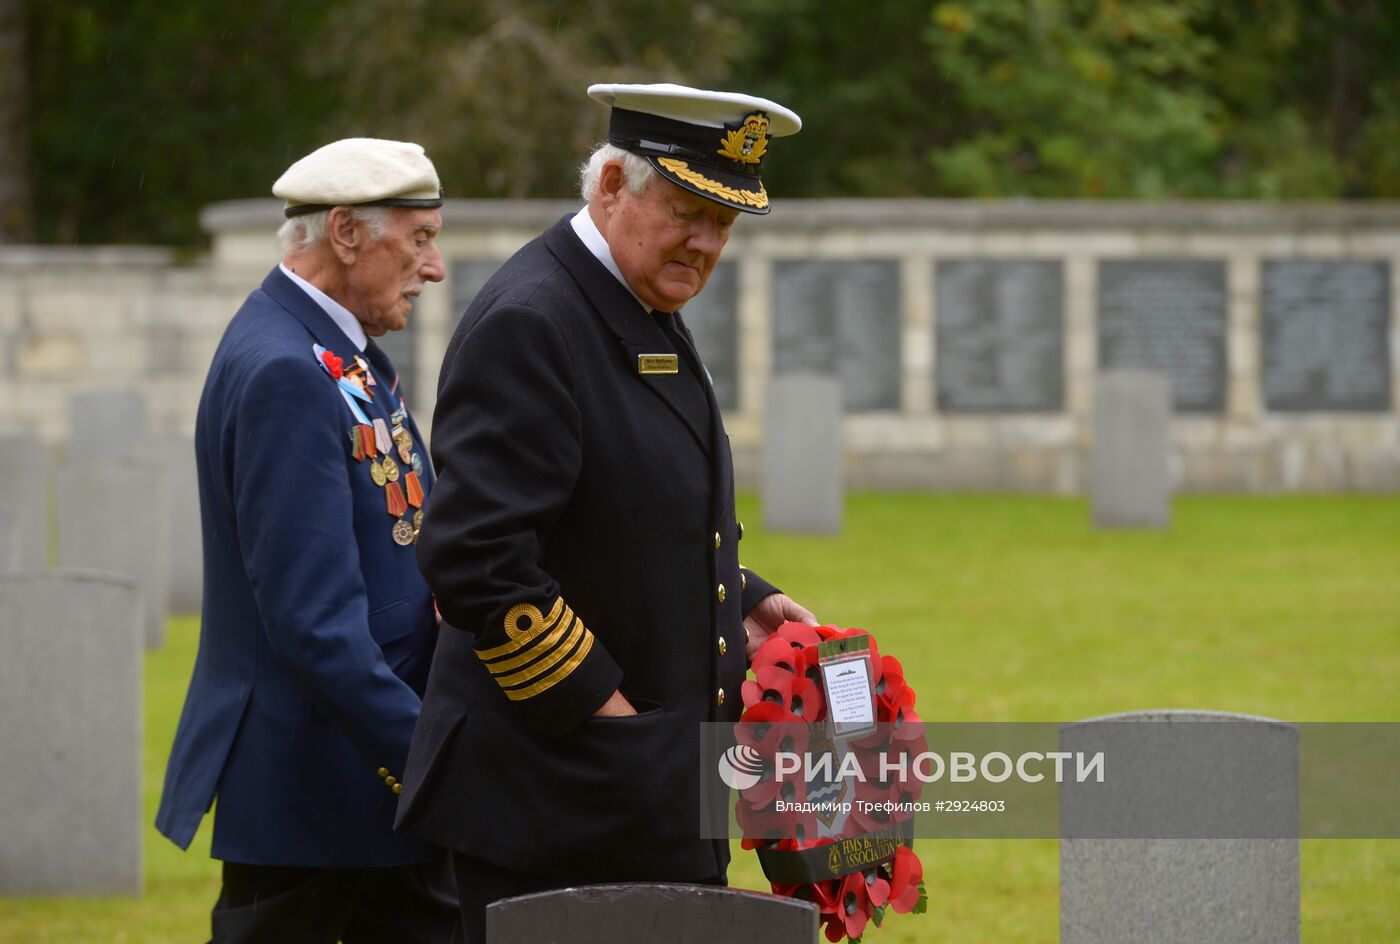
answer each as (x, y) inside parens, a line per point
(385, 473)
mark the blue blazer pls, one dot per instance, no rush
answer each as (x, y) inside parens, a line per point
(317, 628)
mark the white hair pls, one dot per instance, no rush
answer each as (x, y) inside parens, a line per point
(637, 171)
(300, 233)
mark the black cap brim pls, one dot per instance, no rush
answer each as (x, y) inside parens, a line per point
(743, 192)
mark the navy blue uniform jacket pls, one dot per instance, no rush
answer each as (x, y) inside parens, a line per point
(581, 539)
(317, 628)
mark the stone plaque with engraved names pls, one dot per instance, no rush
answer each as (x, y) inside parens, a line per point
(1167, 315)
(999, 335)
(841, 319)
(1325, 327)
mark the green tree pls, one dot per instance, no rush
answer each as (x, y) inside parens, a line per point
(1273, 99)
(873, 105)
(142, 111)
(1312, 90)
(145, 110)
(495, 89)
(16, 208)
(1090, 98)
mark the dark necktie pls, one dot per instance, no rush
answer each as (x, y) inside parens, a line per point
(381, 364)
(670, 325)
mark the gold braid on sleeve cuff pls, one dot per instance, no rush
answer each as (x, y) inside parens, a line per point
(541, 651)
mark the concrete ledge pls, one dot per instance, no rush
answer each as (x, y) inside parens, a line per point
(1224, 216)
(115, 257)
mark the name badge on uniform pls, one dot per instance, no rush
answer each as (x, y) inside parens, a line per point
(658, 364)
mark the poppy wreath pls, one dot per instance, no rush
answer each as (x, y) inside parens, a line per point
(785, 711)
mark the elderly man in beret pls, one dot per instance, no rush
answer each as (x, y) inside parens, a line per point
(317, 630)
(582, 542)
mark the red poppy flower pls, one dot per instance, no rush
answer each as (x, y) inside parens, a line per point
(877, 885)
(786, 647)
(906, 880)
(799, 635)
(853, 906)
(769, 730)
(894, 701)
(821, 894)
(797, 694)
(333, 364)
(891, 690)
(758, 717)
(872, 793)
(764, 826)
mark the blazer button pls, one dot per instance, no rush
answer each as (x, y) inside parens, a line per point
(743, 582)
(741, 530)
(397, 788)
(723, 646)
(719, 593)
(383, 771)
(390, 781)
(719, 698)
(717, 541)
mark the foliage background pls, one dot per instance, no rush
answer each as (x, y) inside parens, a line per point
(123, 117)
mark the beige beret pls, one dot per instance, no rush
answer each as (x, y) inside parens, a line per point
(360, 172)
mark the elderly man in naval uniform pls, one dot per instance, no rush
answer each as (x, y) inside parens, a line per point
(581, 541)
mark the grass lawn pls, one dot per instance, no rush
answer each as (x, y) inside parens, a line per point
(1004, 609)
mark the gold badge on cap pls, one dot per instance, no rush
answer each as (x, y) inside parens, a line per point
(748, 142)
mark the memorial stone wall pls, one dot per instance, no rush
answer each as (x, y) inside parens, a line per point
(967, 336)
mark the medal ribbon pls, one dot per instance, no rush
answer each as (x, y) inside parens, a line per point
(347, 389)
(394, 500)
(415, 489)
(382, 439)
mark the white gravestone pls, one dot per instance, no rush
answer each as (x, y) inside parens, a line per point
(1192, 836)
(105, 423)
(113, 515)
(802, 484)
(1131, 485)
(24, 470)
(70, 733)
(186, 581)
(10, 541)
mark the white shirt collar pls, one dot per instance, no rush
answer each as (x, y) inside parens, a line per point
(341, 315)
(593, 240)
